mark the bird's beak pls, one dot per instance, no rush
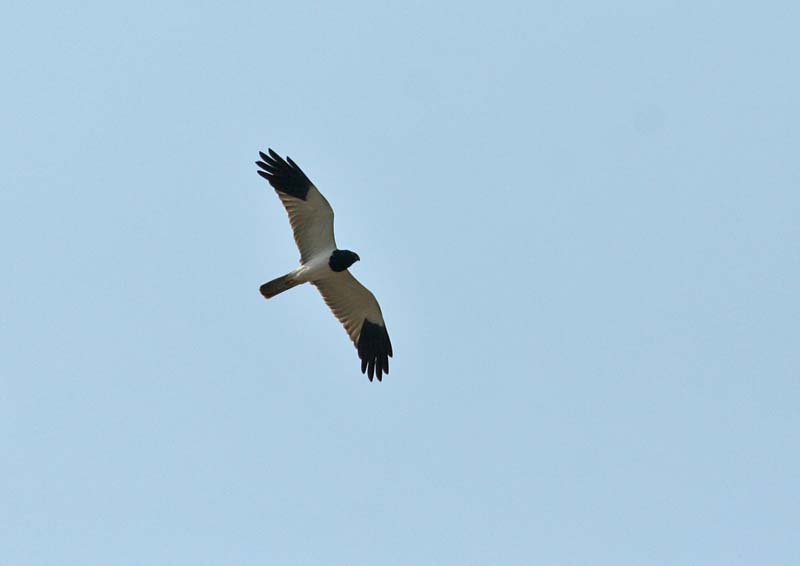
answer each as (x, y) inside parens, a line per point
(358, 258)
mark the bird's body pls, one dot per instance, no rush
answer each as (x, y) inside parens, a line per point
(317, 268)
(324, 265)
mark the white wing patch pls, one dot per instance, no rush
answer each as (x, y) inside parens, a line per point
(312, 223)
(350, 302)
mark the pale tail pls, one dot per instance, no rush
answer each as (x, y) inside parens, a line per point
(277, 286)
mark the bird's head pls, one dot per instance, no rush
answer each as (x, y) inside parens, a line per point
(342, 259)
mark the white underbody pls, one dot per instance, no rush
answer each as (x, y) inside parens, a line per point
(315, 269)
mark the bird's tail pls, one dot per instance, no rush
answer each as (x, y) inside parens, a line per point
(278, 286)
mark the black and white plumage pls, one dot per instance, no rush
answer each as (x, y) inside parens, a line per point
(324, 265)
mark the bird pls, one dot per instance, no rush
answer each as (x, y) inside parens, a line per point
(324, 265)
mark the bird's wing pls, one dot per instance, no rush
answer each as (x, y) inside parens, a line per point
(358, 311)
(310, 214)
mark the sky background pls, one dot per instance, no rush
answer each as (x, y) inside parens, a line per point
(581, 222)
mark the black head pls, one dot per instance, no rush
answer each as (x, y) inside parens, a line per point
(342, 259)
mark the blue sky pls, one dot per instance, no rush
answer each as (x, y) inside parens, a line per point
(581, 221)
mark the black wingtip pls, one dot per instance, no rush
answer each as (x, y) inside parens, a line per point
(284, 177)
(374, 349)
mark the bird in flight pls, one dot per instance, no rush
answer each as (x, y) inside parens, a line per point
(324, 265)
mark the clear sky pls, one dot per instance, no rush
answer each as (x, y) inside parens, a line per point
(581, 221)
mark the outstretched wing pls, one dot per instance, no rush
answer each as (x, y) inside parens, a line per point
(310, 214)
(356, 308)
